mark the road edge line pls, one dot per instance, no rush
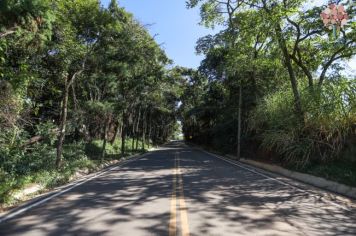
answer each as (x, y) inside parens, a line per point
(274, 179)
(12, 214)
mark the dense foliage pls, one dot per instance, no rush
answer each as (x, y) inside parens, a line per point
(273, 82)
(80, 83)
(77, 80)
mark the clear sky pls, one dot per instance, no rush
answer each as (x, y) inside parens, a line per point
(176, 27)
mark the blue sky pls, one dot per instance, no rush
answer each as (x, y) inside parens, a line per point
(176, 27)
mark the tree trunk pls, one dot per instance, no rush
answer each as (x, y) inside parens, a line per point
(62, 126)
(149, 131)
(137, 141)
(123, 134)
(137, 128)
(153, 136)
(293, 80)
(117, 129)
(64, 112)
(133, 135)
(105, 138)
(143, 134)
(238, 154)
(254, 86)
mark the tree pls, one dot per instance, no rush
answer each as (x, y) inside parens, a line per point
(277, 70)
(314, 49)
(28, 15)
(73, 73)
(213, 11)
(75, 35)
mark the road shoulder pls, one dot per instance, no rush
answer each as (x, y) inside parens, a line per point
(40, 198)
(346, 202)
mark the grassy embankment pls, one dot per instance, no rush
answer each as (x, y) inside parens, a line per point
(78, 157)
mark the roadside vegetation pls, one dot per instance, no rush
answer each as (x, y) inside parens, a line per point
(38, 170)
(79, 85)
(274, 86)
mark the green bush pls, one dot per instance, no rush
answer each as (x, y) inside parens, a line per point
(7, 184)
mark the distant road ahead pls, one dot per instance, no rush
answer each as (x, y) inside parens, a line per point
(179, 190)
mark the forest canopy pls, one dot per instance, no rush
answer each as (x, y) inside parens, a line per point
(273, 83)
(78, 83)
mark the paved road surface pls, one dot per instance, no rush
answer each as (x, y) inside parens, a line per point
(178, 190)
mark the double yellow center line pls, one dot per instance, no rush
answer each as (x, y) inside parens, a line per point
(182, 209)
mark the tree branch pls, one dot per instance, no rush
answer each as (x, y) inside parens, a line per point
(306, 71)
(333, 58)
(8, 32)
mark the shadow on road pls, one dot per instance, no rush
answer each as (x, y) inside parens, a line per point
(134, 200)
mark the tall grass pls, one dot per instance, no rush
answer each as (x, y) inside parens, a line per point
(329, 120)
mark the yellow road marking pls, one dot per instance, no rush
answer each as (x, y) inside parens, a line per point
(183, 207)
(178, 180)
(173, 219)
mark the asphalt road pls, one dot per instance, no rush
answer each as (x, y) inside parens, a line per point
(179, 190)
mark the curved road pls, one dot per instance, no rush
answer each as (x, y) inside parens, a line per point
(179, 190)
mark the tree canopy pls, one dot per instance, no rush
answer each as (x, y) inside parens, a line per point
(274, 81)
(76, 73)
